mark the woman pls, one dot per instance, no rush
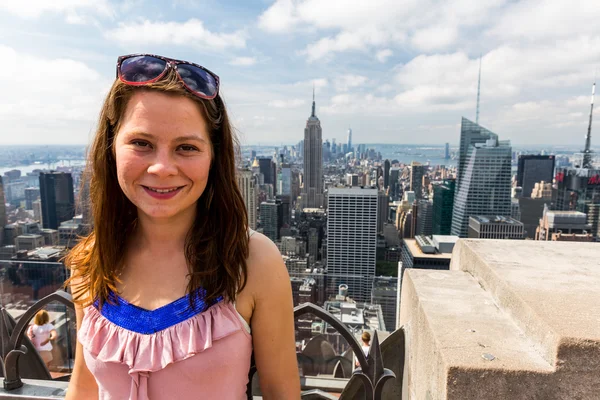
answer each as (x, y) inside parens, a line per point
(173, 290)
(42, 333)
(366, 346)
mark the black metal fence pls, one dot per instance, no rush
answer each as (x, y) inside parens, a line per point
(355, 374)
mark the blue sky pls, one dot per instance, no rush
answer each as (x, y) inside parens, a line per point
(396, 71)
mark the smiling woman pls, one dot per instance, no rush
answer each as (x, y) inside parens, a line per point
(173, 291)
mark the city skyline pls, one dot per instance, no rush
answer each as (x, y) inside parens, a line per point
(391, 70)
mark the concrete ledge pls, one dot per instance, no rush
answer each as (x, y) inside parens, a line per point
(511, 319)
(550, 289)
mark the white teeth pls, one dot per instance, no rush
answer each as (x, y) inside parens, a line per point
(162, 191)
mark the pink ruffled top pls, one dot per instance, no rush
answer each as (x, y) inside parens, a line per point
(174, 352)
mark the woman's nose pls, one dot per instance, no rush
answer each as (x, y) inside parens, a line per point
(163, 164)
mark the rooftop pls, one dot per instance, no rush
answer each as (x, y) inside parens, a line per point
(416, 251)
(495, 219)
(353, 191)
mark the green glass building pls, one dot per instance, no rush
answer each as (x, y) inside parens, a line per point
(443, 201)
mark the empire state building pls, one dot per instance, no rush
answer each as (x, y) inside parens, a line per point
(312, 192)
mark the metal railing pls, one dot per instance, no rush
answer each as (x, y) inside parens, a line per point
(371, 374)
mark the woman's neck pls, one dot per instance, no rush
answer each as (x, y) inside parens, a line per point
(162, 235)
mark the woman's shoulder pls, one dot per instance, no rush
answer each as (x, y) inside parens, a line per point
(264, 260)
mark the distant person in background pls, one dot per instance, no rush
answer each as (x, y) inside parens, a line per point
(42, 333)
(366, 345)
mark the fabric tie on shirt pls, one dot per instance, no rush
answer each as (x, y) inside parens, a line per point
(139, 386)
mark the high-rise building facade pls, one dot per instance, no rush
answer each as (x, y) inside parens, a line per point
(286, 180)
(424, 223)
(386, 173)
(58, 198)
(443, 203)
(349, 139)
(470, 134)
(394, 183)
(577, 187)
(417, 170)
(312, 192)
(269, 170)
(3, 219)
(533, 169)
(495, 227)
(352, 240)
(247, 186)
(383, 207)
(484, 177)
(31, 195)
(270, 218)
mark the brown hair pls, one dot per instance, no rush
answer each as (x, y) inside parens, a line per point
(41, 318)
(366, 337)
(216, 247)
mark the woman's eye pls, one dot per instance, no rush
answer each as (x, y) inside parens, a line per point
(140, 143)
(187, 147)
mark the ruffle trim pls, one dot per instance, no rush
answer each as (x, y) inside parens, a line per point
(108, 342)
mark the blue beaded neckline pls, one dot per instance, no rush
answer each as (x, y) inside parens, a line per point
(137, 319)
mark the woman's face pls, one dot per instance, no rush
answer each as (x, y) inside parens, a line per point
(163, 154)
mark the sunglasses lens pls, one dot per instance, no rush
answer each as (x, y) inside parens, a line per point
(198, 80)
(142, 68)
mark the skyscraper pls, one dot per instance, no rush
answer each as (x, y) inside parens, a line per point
(247, 186)
(470, 134)
(352, 240)
(286, 180)
(312, 193)
(443, 202)
(579, 188)
(386, 174)
(3, 219)
(349, 139)
(383, 207)
(533, 169)
(268, 169)
(416, 178)
(31, 195)
(424, 225)
(394, 183)
(447, 152)
(270, 218)
(484, 177)
(58, 198)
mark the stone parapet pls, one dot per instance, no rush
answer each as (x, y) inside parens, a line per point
(510, 320)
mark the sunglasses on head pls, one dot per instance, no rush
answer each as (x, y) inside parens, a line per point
(141, 69)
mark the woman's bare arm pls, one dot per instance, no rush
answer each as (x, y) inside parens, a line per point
(83, 384)
(272, 321)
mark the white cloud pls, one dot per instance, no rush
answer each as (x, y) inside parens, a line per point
(279, 17)
(68, 92)
(345, 82)
(37, 8)
(357, 25)
(547, 20)
(353, 103)
(355, 40)
(318, 84)
(291, 103)
(189, 33)
(438, 37)
(383, 55)
(243, 61)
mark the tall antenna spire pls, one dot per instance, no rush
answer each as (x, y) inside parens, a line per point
(587, 153)
(478, 91)
(313, 106)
